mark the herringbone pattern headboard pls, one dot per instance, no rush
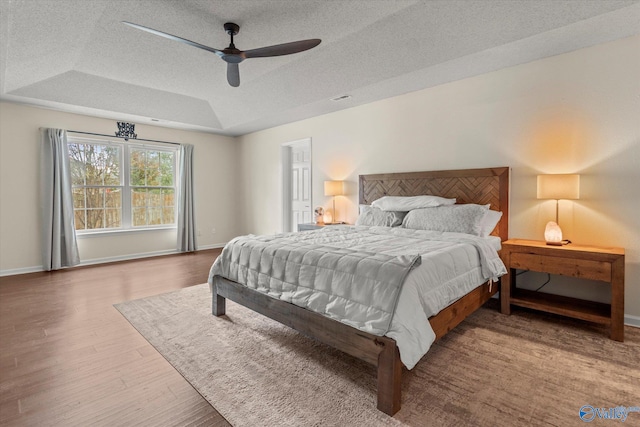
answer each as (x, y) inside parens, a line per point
(481, 186)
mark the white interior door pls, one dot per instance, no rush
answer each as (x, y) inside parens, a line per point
(297, 207)
(301, 186)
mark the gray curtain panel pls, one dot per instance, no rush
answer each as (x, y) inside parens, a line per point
(59, 246)
(186, 212)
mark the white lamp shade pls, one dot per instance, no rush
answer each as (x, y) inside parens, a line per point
(333, 188)
(564, 186)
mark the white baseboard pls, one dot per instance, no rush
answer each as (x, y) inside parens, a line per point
(128, 257)
(94, 261)
(24, 270)
(214, 246)
(630, 320)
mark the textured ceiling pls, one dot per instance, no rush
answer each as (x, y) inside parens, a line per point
(76, 55)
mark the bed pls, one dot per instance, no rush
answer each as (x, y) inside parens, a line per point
(477, 186)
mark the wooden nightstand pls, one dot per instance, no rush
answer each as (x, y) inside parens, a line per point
(587, 262)
(309, 226)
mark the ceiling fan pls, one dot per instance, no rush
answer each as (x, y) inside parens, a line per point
(233, 56)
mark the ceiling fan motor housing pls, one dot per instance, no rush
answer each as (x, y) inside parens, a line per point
(231, 28)
(232, 55)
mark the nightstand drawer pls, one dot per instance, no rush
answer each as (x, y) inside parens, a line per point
(574, 267)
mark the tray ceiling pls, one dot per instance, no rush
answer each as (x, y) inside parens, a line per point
(77, 56)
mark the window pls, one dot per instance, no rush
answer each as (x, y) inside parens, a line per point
(96, 176)
(120, 186)
(152, 187)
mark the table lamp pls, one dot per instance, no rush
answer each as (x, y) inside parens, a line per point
(334, 188)
(556, 187)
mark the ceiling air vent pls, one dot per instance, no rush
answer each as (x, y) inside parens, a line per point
(341, 98)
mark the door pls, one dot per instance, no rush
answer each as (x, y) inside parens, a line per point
(297, 207)
(301, 186)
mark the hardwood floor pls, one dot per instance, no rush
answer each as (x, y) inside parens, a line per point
(69, 358)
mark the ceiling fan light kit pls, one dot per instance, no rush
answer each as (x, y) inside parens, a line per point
(233, 56)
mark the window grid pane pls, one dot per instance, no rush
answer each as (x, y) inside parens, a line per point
(95, 218)
(80, 219)
(153, 206)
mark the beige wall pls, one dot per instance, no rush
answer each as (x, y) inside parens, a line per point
(215, 166)
(573, 113)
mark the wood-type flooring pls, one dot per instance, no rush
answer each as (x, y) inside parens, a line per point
(68, 357)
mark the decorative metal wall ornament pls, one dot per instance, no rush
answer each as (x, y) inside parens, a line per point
(126, 131)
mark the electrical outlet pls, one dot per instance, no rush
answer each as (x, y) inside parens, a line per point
(199, 232)
(213, 230)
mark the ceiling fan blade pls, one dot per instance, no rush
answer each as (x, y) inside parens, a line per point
(282, 49)
(233, 74)
(172, 37)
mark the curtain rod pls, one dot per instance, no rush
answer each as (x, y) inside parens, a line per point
(121, 137)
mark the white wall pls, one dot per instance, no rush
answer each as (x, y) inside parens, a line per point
(215, 167)
(573, 113)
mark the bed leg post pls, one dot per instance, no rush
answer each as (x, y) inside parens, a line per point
(218, 303)
(389, 379)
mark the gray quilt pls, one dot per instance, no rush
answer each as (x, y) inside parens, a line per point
(357, 287)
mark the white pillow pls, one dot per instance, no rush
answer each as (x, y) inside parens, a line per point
(455, 218)
(489, 222)
(405, 204)
(376, 217)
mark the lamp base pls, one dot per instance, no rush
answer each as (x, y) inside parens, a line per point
(553, 234)
(560, 243)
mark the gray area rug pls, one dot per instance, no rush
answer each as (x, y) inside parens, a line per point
(492, 370)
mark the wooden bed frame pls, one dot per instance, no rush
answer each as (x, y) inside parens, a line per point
(481, 186)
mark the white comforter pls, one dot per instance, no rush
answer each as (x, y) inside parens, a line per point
(453, 264)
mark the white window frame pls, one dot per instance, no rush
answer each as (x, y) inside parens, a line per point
(127, 212)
